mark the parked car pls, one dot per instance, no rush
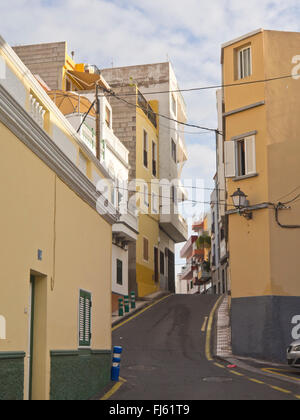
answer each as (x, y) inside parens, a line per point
(293, 354)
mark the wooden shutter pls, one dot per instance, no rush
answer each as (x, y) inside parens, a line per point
(85, 306)
(230, 159)
(250, 155)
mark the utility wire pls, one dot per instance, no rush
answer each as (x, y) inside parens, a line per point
(170, 198)
(214, 86)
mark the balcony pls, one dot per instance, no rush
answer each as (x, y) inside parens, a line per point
(114, 144)
(175, 226)
(182, 194)
(188, 272)
(146, 108)
(204, 274)
(126, 229)
(187, 250)
(182, 154)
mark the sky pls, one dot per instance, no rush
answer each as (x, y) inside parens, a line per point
(126, 32)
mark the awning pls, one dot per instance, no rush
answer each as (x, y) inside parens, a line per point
(70, 103)
(87, 81)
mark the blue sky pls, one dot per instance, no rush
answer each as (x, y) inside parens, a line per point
(130, 32)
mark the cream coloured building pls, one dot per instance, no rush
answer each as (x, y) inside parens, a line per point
(262, 156)
(56, 249)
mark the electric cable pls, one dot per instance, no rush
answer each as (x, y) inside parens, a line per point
(215, 86)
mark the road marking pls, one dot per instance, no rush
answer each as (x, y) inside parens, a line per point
(204, 324)
(280, 389)
(208, 331)
(236, 373)
(257, 381)
(274, 371)
(114, 389)
(218, 365)
(139, 313)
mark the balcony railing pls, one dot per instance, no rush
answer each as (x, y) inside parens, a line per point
(146, 108)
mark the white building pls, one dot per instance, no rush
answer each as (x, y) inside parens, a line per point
(152, 79)
(114, 158)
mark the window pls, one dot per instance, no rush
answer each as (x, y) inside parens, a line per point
(240, 157)
(162, 263)
(154, 159)
(174, 194)
(146, 195)
(145, 149)
(120, 272)
(146, 250)
(244, 63)
(155, 202)
(108, 117)
(174, 151)
(85, 306)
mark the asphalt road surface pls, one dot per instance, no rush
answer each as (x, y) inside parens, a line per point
(164, 358)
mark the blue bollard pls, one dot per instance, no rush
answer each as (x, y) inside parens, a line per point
(116, 361)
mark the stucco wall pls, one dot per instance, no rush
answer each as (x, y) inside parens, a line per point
(41, 212)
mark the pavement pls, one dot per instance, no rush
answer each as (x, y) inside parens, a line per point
(141, 303)
(223, 352)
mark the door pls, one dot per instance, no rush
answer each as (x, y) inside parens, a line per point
(171, 271)
(156, 268)
(31, 335)
(37, 351)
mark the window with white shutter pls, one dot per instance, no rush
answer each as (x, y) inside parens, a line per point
(230, 167)
(240, 157)
(250, 155)
(85, 306)
(244, 62)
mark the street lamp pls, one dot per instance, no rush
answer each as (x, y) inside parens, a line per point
(240, 202)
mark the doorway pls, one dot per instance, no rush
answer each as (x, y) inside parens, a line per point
(37, 338)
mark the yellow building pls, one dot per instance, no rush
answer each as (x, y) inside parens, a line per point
(262, 156)
(135, 124)
(147, 170)
(55, 271)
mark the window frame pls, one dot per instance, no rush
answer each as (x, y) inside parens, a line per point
(145, 150)
(162, 263)
(145, 239)
(233, 156)
(174, 150)
(83, 344)
(241, 62)
(154, 159)
(117, 263)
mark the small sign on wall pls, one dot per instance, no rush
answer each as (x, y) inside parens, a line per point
(2, 328)
(296, 329)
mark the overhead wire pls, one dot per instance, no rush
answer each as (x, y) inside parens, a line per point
(236, 84)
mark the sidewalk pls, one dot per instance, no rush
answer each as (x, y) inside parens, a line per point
(141, 303)
(223, 344)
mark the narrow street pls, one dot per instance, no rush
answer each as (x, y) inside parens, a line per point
(164, 358)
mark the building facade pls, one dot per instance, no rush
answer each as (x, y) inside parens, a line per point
(56, 249)
(219, 226)
(261, 131)
(196, 275)
(72, 87)
(151, 79)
